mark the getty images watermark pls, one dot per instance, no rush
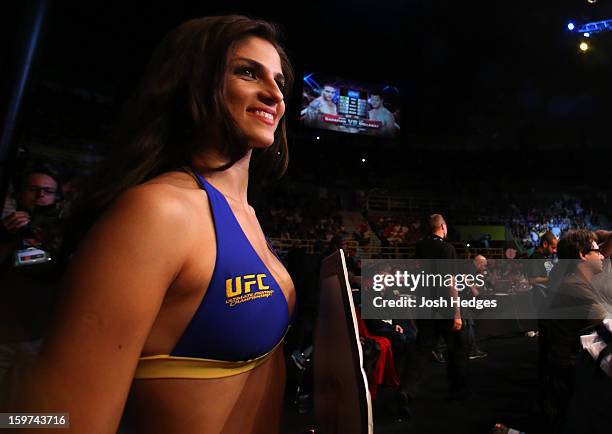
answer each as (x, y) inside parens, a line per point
(501, 289)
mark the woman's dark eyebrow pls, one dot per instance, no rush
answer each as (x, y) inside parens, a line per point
(259, 66)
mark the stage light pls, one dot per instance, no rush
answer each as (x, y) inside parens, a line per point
(363, 160)
(584, 46)
(318, 138)
(592, 1)
(467, 245)
(586, 34)
(570, 26)
(594, 27)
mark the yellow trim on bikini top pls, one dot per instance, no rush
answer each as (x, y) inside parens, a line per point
(167, 366)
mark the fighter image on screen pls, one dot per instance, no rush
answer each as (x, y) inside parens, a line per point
(380, 113)
(323, 104)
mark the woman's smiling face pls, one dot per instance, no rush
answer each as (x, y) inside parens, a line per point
(253, 89)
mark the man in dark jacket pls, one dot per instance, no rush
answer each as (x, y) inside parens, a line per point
(447, 324)
(575, 305)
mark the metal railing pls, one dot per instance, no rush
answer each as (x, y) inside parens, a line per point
(405, 203)
(383, 252)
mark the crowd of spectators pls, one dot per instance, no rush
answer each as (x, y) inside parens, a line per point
(298, 223)
(528, 220)
(562, 215)
(296, 211)
(396, 231)
(318, 217)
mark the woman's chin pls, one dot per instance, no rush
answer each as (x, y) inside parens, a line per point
(261, 143)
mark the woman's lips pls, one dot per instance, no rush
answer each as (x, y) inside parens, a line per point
(265, 117)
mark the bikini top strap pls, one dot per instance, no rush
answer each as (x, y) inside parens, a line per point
(191, 172)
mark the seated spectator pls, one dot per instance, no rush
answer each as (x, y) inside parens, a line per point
(383, 371)
(391, 330)
(577, 299)
(589, 410)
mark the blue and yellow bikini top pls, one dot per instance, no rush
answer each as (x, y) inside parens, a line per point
(242, 318)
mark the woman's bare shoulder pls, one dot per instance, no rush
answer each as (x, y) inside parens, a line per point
(166, 212)
(179, 181)
(172, 198)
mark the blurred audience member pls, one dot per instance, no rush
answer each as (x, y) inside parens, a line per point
(542, 260)
(30, 237)
(576, 301)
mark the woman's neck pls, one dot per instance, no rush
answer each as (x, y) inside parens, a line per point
(232, 182)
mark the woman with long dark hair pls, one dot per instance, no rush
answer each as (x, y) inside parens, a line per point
(174, 302)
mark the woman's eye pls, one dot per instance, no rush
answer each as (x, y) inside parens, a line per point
(246, 71)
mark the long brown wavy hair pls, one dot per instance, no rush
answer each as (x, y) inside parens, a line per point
(179, 110)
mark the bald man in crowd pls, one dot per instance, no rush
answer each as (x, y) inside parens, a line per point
(445, 322)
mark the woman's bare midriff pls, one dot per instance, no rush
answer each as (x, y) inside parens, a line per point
(251, 402)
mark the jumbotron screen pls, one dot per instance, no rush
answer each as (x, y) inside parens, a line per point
(336, 104)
